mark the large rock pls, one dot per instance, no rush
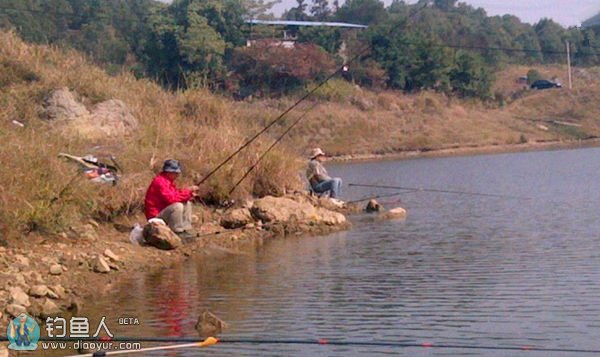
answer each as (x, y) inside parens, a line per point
(285, 210)
(395, 213)
(237, 218)
(161, 236)
(61, 104)
(113, 117)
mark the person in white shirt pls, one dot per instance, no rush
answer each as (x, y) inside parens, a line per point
(319, 179)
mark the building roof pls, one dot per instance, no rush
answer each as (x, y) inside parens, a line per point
(304, 23)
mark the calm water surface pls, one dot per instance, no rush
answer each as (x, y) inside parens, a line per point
(459, 270)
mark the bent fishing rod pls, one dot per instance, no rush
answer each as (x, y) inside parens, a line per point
(295, 104)
(421, 189)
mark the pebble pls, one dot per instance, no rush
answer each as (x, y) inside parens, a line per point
(18, 296)
(112, 256)
(15, 310)
(100, 265)
(59, 290)
(22, 260)
(49, 308)
(56, 269)
(38, 291)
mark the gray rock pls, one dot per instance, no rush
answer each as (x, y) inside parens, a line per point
(101, 265)
(56, 269)
(15, 310)
(38, 291)
(18, 296)
(112, 256)
(62, 105)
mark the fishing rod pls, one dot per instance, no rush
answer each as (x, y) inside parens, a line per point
(190, 342)
(439, 191)
(271, 147)
(295, 104)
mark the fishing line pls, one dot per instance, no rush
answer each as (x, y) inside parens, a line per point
(439, 191)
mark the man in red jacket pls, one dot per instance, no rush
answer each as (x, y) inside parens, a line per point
(164, 200)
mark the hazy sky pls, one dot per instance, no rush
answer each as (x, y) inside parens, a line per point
(565, 12)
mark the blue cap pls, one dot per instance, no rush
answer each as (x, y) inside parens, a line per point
(171, 166)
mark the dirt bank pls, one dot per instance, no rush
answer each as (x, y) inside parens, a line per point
(46, 275)
(473, 150)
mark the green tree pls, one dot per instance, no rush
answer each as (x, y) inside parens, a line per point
(364, 12)
(470, 77)
(320, 10)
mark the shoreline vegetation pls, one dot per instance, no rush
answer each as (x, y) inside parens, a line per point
(58, 234)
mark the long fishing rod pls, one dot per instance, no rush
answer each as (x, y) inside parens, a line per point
(210, 341)
(271, 147)
(439, 191)
(304, 97)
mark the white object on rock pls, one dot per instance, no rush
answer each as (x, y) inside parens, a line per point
(136, 236)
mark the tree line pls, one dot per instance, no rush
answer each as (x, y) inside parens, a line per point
(438, 45)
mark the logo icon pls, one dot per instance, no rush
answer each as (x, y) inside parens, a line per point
(23, 333)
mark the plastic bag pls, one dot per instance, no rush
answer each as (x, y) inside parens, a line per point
(136, 236)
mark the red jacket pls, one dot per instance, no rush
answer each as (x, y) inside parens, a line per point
(162, 193)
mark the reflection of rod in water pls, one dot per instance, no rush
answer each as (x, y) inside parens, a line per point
(438, 191)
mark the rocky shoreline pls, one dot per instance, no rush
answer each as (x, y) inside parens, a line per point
(49, 275)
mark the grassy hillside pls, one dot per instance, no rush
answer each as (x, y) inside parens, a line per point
(195, 127)
(353, 121)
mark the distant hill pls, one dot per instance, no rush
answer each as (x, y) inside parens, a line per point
(592, 21)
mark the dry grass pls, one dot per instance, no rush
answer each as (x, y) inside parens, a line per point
(196, 127)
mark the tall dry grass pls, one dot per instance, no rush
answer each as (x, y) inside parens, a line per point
(39, 192)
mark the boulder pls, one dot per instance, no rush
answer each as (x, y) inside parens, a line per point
(113, 117)
(161, 236)
(61, 104)
(15, 310)
(285, 210)
(100, 265)
(18, 296)
(38, 290)
(237, 218)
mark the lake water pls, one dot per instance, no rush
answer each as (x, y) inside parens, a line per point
(461, 270)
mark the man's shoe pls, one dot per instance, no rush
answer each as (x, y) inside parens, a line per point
(186, 237)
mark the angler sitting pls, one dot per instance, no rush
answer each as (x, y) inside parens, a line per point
(165, 201)
(320, 181)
